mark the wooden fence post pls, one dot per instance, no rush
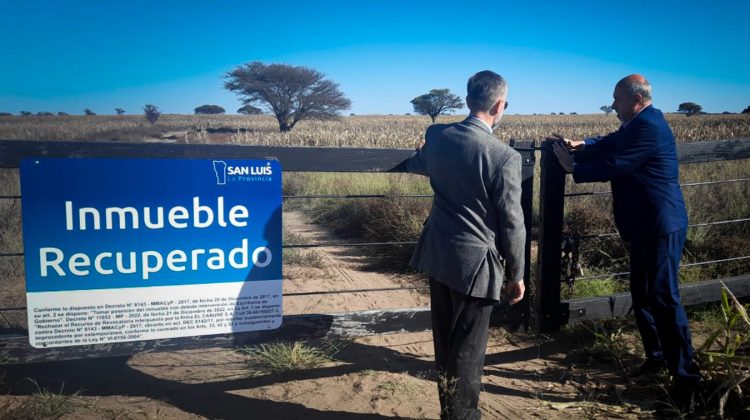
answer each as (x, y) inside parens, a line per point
(550, 312)
(528, 161)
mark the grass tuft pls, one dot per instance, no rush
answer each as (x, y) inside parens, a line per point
(285, 357)
(41, 404)
(301, 256)
(598, 287)
(723, 356)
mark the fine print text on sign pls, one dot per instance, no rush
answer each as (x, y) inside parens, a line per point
(139, 249)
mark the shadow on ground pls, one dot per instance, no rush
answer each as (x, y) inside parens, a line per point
(115, 377)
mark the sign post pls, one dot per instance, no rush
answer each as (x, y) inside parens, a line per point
(140, 249)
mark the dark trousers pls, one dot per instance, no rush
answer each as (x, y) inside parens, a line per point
(460, 325)
(661, 318)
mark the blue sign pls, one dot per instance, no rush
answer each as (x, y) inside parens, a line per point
(124, 223)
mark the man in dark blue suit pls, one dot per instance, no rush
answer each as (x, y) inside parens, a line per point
(640, 161)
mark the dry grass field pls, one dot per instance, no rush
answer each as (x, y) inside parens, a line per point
(391, 131)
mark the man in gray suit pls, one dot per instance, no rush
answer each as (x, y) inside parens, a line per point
(473, 237)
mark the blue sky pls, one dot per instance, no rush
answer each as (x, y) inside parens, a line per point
(557, 56)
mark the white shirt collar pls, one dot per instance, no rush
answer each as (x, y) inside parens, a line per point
(487, 126)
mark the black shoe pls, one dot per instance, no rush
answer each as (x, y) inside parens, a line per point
(690, 396)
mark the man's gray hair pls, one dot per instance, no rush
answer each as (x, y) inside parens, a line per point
(642, 88)
(484, 89)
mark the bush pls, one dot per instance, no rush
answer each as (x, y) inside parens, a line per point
(689, 108)
(377, 220)
(285, 357)
(249, 110)
(209, 109)
(151, 113)
(368, 219)
(608, 253)
(711, 248)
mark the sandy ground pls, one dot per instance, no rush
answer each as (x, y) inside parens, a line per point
(525, 376)
(373, 377)
(342, 268)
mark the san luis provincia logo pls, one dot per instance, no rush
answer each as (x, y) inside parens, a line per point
(231, 173)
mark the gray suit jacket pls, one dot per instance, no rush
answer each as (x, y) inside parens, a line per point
(475, 230)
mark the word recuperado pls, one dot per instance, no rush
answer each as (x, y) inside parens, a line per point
(53, 260)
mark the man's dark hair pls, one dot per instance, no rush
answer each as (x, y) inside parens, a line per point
(484, 89)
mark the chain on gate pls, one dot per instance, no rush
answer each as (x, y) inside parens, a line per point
(570, 267)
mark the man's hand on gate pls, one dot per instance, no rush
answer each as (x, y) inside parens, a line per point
(569, 143)
(514, 292)
(563, 156)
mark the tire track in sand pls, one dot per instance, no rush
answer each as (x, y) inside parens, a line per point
(341, 268)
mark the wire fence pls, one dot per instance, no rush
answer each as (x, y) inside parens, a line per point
(721, 222)
(308, 293)
(625, 273)
(349, 244)
(689, 184)
(694, 225)
(305, 246)
(411, 243)
(571, 270)
(286, 197)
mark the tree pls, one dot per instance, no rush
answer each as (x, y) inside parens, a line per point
(151, 113)
(44, 113)
(689, 108)
(291, 93)
(209, 109)
(607, 109)
(62, 114)
(5, 114)
(88, 112)
(437, 102)
(119, 111)
(26, 113)
(746, 110)
(250, 110)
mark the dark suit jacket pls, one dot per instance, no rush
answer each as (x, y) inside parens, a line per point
(475, 231)
(640, 160)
